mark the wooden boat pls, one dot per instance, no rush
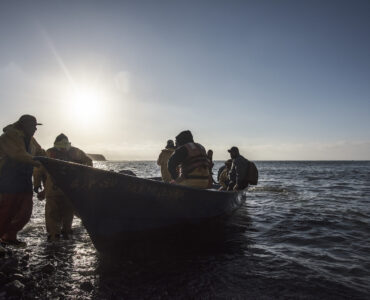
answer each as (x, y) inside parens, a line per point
(117, 209)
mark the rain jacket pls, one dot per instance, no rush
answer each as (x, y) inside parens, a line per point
(194, 165)
(40, 175)
(239, 171)
(162, 161)
(16, 160)
(224, 178)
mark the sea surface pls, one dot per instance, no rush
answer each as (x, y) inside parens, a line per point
(304, 233)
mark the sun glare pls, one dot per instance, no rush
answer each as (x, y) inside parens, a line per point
(86, 104)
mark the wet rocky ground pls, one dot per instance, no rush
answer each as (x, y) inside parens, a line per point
(65, 269)
(26, 275)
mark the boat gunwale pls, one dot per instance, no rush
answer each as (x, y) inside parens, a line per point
(42, 159)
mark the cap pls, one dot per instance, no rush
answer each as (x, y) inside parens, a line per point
(28, 119)
(233, 149)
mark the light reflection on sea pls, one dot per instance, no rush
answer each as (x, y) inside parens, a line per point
(303, 233)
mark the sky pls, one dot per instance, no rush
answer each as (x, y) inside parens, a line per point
(282, 80)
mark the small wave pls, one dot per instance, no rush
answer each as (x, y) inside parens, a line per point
(304, 231)
(32, 227)
(272, 189)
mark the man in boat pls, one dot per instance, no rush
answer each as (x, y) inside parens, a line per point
(17, 148)
(239, 170)
(192, 160)
(223, 178)
(163, 158)
(58, 209)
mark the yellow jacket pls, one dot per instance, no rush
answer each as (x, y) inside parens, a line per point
(224, 178)
(12, 146)
(41, 175)
(162, 161)
(16, 160)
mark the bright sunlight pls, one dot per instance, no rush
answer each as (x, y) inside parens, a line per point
(86, 104)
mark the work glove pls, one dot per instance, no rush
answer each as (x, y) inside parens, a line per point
(37, 188)
(36, 164)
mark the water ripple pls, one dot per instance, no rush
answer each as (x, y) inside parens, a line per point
(304, 233)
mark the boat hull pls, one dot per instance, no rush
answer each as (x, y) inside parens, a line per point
(117, 209)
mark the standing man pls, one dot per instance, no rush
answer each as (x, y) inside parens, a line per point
(192, 161)
(58, 209)
(17, 147)
(239, 170)
(163, 158)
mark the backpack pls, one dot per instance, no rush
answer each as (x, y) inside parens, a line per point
(252, 174)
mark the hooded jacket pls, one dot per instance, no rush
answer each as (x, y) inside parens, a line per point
(16, 160)
(73, 154)
(162, 161)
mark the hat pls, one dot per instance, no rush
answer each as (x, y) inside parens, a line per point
(28, 120)
(170, 144)
(233, 149)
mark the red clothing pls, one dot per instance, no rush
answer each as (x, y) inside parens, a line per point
(15, 212)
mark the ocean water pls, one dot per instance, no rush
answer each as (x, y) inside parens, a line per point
(303, 233)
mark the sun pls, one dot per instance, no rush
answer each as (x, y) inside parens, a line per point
(86, 104)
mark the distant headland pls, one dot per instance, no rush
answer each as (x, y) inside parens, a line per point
(98, 157)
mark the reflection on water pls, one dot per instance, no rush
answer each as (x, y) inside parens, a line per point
(58, 269)
(304, 233)
(183, 270)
